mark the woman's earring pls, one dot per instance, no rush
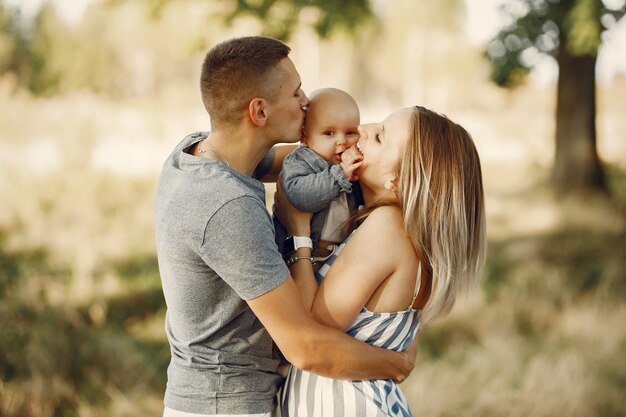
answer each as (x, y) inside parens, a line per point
(391, 184)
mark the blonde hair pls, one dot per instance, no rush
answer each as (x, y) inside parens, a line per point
(440, 192)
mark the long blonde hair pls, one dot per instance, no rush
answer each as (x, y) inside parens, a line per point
(440, 192)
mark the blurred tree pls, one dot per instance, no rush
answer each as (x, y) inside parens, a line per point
(13, 44)
(571, 32)
(8, 37)
(281, 17)
(48, 38)
(30, 52)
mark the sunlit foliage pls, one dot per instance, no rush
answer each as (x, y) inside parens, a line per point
(538, 27)
(282, 16)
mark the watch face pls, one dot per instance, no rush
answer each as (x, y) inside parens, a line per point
(288, 246)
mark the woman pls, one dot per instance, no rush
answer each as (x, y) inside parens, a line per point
(421, 241)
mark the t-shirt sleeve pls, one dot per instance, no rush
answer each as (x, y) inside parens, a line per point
(239, 246)
(265, 165)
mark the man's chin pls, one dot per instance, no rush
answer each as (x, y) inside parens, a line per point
(293, 139)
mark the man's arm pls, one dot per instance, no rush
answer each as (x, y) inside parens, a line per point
(280, 151)
(323, 350)
(377, 250)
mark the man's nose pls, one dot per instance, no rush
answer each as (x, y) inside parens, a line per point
(305, 102)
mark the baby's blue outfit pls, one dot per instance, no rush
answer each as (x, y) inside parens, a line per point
(311, 183)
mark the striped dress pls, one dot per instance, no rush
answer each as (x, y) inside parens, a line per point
(308, 395)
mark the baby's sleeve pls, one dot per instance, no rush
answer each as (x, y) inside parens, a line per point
(311, 186)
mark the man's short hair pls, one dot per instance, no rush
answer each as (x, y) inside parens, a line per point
(237, 70)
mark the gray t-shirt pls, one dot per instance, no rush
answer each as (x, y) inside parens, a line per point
(215, 246)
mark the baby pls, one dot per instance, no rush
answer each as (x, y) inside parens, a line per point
(315, 177)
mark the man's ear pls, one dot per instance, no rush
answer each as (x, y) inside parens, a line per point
(257, 110)
(392, 184)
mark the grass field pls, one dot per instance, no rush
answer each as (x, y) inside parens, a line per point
(81, 309)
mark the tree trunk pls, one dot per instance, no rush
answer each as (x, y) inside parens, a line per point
(576, 165)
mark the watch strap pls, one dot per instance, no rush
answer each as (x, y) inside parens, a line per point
(293, 243)
(302, 242)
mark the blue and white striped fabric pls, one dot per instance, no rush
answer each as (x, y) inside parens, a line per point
(309, 395)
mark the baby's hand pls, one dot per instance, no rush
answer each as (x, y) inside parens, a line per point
(351, 159)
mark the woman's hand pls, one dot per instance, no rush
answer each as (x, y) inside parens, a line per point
(297, 223)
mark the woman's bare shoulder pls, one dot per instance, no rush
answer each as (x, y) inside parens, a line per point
(385, 216)
(383, 228)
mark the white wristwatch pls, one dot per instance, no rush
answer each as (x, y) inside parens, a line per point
(293, 243)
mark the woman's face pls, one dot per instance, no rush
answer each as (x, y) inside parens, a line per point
(381, 144)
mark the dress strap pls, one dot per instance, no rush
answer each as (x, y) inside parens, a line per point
(418, 283)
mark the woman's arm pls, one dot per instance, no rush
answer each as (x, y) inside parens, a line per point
(378, 234)
(375, 251)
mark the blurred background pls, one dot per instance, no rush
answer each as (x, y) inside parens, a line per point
(94, 95)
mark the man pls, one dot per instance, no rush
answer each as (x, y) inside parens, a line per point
(227, 288)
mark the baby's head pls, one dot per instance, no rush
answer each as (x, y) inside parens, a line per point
(331, 123)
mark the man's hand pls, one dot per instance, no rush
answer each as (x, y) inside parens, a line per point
(410, 354)
(351, 159)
